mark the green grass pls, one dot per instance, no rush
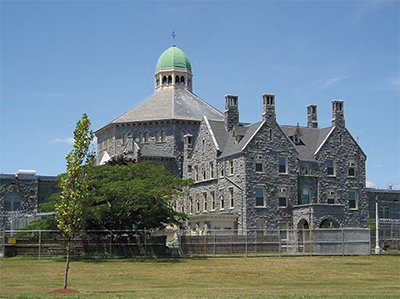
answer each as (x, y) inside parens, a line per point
(371, 277)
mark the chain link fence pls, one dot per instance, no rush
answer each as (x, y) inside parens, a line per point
(179, 243)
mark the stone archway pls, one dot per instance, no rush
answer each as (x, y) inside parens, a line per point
(303, 236)
(329, 223)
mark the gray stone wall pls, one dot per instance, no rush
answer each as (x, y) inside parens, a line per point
(342, 148)
(270, 178)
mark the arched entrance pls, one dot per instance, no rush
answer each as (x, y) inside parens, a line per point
(303, 236)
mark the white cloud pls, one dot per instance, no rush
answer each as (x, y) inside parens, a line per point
(370, 184)
(63, 140)
(334, 80)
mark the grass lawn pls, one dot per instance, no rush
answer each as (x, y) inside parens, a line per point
(269, 277)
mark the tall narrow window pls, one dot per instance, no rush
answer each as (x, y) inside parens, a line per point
(282, 196)
(141, 139)
(231, 198)
(162, 136)
(191, 205)
(270, 134)
(260, 197)
(231, 167)
(282, 164)
(124, 138)
(330, 167)
(205, 203)
(221, 202)
(305, 196)
(221, 169)
(212, 198)
(211, 169)
(203, 145)
(146, 137)
(196, 173)
(352, 196)
(204, 172)
(158, 136)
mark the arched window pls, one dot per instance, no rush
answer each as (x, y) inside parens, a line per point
(183, 80)
(169, 79)
(12, 202)
(177, 80)
(164, 80)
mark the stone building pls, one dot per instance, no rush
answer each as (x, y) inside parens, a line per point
(20, 195)
(246, 176)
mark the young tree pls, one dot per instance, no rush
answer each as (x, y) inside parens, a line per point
(71, 208)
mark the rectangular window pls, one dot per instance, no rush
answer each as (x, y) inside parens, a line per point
(231, 199)
(205, 203)
(331, 196)
(141, 139)
(352, 168)
(212, 197)
(221, 169)
(211, 169)
(282, 196)
(260, 197)
(158, 136)
(352, 196)
(196, 173)
(221, 202)
(330, 167)
(191, 205)
(282, 165)
(231, 167)
(305, 196)
(163, 136)
(283, 230)
(146, 137)
(204, 173)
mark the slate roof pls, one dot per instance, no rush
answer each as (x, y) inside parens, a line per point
(170, 103)
(311, 138)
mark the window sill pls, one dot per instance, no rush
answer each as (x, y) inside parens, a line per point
(260, 207)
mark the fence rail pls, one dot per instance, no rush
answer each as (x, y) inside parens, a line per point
(174, 242)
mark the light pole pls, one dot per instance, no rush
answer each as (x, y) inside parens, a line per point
(377, 248)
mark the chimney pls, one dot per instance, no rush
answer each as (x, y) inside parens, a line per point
(268, 106)
(231, 112)
(337, 113)
(312, 116)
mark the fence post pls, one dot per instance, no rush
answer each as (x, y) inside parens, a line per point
(343, 241)
(111, 236)
(145, 244)
(246, 243)
(280, 242)
(40, 243)
(215, 241)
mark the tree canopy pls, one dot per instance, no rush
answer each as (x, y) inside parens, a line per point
(133, 196)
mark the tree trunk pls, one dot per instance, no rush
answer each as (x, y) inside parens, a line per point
(67, 264)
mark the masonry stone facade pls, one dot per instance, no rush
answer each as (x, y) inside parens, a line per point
(21, 193)
(246, 176)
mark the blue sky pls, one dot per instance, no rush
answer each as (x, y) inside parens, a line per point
(60, 59)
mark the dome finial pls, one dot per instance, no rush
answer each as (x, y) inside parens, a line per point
(173, 38)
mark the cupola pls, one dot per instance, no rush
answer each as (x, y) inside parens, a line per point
(173, 69)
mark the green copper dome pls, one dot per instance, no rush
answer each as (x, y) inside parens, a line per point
(173, 58)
